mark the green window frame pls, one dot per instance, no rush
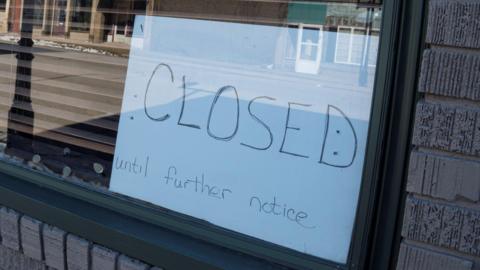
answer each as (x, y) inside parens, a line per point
(175, 241)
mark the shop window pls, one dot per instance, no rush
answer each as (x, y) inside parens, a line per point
(38, 13)
(224, 112)
(81, 15)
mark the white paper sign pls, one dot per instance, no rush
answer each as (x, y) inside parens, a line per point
(220, 124)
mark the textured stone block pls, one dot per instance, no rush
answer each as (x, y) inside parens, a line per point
(423, 131)
(431, 226)
(443, 177)
(9, 228)
(54, 247)
(476, 139)
(31, 234)
(450, 72)
(415, 258)
(103, 258)
(463, 130)
(13, 260)
(442, 225)
(454, 23)
(451, 223)
(443, 124)
(78, 253)
(447, 127)
(470, 240)
(127, 263)
(411, 227)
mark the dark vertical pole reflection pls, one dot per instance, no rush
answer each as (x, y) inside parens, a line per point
(363, 78)
(21, 112)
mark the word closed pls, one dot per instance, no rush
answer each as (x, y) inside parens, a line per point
(339, 143)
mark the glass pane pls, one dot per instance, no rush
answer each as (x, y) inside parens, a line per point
(250, 115)
(343, 45)
(291, 42)
(309, 52)
(359, 37)
(81, 15)
(373, 46)
(310, 35)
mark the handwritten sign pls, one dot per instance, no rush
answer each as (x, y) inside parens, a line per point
(216, 124)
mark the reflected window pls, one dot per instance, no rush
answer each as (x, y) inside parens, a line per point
(38, 13)
(81, 15)
(309, 51)
(356, 46)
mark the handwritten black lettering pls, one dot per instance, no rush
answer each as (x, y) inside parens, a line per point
(184, 87)
(199, 186)
(215, 100)
(287, 127)
(136, 167)
(132, 167)
(338, 158)
(145, 106)
(327, 127)
(261, 123)
(121, 164)
(276, 209)
(299, 220)
(169, 176)
(225, 190)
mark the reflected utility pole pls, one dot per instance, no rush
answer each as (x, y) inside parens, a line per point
(21, 112)
(363, 78)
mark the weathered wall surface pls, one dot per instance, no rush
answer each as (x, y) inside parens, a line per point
(28, 244)
(441, 227)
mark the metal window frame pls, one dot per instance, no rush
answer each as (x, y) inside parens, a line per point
(173, 241)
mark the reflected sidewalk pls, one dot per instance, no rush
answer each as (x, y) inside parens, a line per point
(115, 48)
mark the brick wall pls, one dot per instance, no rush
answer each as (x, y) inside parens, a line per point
(441, 227)
(29, 244)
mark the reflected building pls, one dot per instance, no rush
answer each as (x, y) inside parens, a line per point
(110, 22)
(95, 21)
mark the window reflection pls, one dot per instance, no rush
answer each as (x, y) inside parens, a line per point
(63, 104)
(64, 68)
(67, 65)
